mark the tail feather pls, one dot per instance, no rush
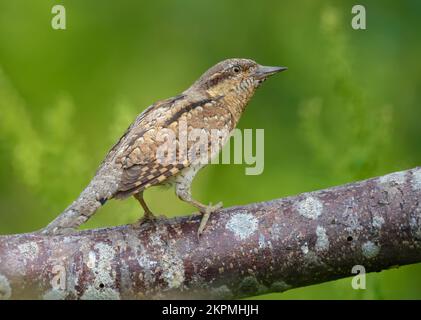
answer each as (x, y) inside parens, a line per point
(88, 202)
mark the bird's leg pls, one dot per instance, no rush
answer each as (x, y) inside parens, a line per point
(148, 215)
(183, 191)
(206, 211)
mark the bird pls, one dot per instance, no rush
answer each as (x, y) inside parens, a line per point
(139, 160)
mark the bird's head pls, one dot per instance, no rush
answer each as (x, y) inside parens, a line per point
(236, 77)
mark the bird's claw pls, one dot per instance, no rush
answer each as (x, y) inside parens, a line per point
(148, 217)
(206, 212)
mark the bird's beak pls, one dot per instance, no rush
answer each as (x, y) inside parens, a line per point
(263, 72)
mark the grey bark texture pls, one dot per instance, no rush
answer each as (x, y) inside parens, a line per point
(245, 251)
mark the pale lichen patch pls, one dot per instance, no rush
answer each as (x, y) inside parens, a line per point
(416, 179)
(29, 250)
(148, 266)
(170, 264)
(173, 267)
(55, 294)
(370, 249)
(304, 248)
(94, 293)
(5, 288)
(310, 207)
(243, 225)
(276, 231)
(353, 225)
(263, 243)
(91, 260)
(396, 177)
(378, 221)
(103, 269)
(415, 223)
(312, 259)
(100, 262)
(322, 242)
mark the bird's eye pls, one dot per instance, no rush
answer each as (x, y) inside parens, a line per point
(236, 69)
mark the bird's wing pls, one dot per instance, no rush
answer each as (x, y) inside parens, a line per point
(137, 149)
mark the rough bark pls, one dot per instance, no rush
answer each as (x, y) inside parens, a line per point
(249, 250)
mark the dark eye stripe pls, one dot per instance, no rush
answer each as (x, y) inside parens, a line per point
(216, 79)
(224, 74)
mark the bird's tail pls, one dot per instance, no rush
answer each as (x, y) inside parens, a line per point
(79, 211)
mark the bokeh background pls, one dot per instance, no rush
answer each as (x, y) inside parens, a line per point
(347, 109)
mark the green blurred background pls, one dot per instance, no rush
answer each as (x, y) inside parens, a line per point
(348, 108)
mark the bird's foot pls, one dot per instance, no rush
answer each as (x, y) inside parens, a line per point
(148, 217)
(206, 212)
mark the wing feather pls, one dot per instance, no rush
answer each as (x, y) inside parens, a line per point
(137, 149)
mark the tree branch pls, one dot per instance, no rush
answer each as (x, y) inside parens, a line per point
(244, 251)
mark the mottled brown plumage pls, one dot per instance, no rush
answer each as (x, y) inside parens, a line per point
(214, 102)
